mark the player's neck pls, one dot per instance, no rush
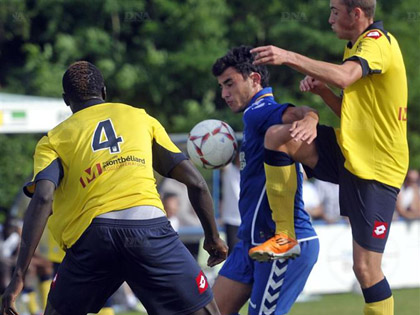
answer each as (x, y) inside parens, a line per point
(360, 29)
(76, 107)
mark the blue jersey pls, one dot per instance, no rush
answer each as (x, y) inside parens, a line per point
(257, 224)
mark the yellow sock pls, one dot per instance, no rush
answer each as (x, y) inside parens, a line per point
(33, 307)
(106, 311)
(281, 185)
(44, 288)
(384, 307)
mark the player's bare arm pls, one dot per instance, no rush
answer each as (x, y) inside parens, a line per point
(35, 219)
(339, 76)
(333, 101)
(202, 203)
(303, 120)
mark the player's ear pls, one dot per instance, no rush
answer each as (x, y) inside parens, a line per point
(104, 93)
(66, 99)
(357, 13)
(256, 78)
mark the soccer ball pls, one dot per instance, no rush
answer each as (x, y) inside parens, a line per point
(212, 144)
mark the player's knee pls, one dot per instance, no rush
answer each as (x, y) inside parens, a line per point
(362, 271)
(276, 137)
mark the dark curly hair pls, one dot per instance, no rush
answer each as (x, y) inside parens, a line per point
(82, 81)
(241, 59)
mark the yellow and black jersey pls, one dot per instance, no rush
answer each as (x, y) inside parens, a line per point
(373, 135)
(54, 253)
(101, 159)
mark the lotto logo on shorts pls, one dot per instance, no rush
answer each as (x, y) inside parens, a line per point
(380, 229)
(202, 283)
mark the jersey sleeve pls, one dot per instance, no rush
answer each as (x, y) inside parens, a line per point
(166, 155)
(261, 118)
(373, 52)
(47, 166)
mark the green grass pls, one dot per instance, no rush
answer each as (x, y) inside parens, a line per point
(407, 302)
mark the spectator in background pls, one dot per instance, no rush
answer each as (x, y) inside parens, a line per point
(230, 216)
(186, 214)
(328, 197)
(408, 201)
(321, 200)
(39, 275)
(9, 242)
(311, 199)
(171, 205)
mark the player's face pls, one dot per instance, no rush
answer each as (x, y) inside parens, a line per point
(237, 91)
(342, 22)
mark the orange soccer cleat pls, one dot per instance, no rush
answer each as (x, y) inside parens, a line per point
(280, 246)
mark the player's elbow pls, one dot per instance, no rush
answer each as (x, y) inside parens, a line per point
(342, 83)
(42, 199)
(199, 184)
(349, 73)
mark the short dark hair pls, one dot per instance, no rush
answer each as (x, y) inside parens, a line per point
(82, 81)
(241, 59)
(367, 6)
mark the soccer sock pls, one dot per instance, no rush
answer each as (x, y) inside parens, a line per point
(379, 299)
(33, 307)
(106, 311)
(44, 288)
(281, 186)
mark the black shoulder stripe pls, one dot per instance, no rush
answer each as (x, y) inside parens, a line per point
(365, 66)
(164, 160)
(53, 172)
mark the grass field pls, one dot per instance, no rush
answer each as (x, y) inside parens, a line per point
(407, 302)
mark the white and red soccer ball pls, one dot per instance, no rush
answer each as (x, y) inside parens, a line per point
(212, 144)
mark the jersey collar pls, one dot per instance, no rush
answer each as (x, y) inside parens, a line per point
(377, 25)
(264, 93)
(92, 101)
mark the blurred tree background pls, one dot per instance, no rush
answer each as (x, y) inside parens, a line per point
(158, 55)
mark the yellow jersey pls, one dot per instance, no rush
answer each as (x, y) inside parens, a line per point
(55, 253)
(373, 133)
(101, 159)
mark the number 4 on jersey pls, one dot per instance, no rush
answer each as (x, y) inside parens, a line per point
(105, 137)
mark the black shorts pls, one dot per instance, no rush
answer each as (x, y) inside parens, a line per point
(147, 254)
(369, 204)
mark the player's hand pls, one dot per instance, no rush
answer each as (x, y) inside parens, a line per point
(9, 297)
(269, 55)
(217, 250)
(305, 129)
(309, 84)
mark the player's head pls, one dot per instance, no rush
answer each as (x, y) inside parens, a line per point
(81, 82)
(238, 78)
(349, 16)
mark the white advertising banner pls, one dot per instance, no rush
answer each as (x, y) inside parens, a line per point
(333, 272)
(30, 114)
